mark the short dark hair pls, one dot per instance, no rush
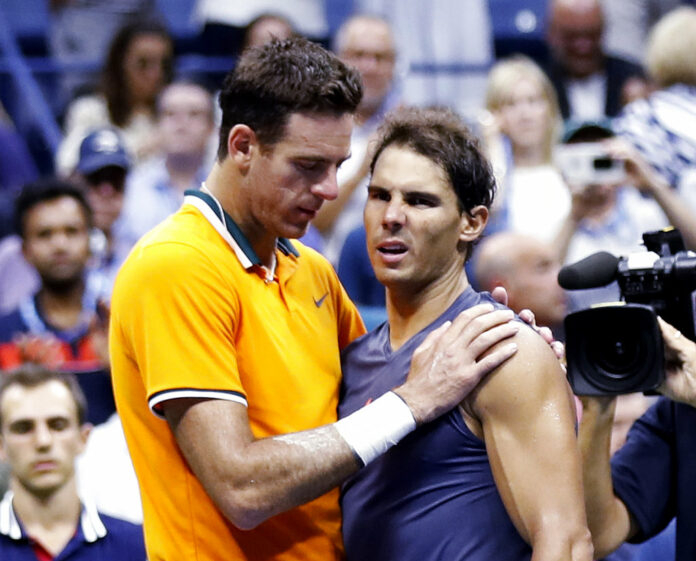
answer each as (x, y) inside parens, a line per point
(280, 78)
(43, 190)
(442, 136)
(33, 375)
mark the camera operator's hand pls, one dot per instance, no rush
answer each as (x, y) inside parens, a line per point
(680, 366)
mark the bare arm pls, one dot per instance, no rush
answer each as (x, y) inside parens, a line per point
(526, 415)
(251, 480)
(608, 518)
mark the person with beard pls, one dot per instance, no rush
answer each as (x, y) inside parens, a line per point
(60, 325)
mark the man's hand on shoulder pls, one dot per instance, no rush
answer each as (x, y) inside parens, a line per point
(453, 359)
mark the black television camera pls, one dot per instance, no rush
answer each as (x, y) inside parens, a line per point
(617, 348)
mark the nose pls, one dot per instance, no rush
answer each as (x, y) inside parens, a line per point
(394, 213)
(42, 436)
(327, 188)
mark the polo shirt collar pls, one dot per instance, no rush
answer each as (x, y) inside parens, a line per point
(223, 223)
(91, 527)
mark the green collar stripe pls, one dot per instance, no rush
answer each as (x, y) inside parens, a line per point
(238, 236)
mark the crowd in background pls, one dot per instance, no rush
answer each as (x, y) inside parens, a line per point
(140, 133)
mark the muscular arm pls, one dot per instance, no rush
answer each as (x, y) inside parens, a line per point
(526, 417)
(608, 518)
(251, 480)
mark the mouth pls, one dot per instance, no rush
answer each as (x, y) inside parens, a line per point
(44, 466)
(392, 251)
(308, 212)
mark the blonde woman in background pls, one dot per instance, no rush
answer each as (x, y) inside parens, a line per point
(520, 128)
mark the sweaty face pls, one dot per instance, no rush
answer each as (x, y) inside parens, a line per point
(185, 120)
(525, 116)
(56, 240)
(287, 182)
(144, 66)
(40, 436)
(370, 49)
(412, 221)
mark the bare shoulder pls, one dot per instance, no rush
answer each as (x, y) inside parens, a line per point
(532, 377)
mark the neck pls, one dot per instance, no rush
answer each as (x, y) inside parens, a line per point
(229, 194)
(50, 519)
(412, 309)
(182, 169)
(62, 306)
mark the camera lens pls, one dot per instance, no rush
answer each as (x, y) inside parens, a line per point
(616, 356)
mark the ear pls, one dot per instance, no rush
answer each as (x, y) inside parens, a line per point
(241, 145)
(85, 429)
(472, 223)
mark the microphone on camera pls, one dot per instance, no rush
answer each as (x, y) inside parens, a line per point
(599, 269)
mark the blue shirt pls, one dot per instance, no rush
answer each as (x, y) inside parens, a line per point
(98, 537)
(654, 473)
(432, 497)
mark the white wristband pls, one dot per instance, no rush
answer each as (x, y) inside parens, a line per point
(375, 428)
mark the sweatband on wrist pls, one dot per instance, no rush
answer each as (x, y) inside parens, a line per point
(375, 428)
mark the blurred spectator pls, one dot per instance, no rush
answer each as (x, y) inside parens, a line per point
(528, 269)
(627, 24)
(663, 127)
(610, 214)
(137, 67)
(225, 25)
(266, 27)
(62, 324)
(521, 131)
(16, 168)
(105, 472)
(589, 83)
(80, 31)
(102, 170)
(42, 431)
(445, 48)
(366, 43)
(156, 186)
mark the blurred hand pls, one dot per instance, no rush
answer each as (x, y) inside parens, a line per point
(45, 350)
(640, 173)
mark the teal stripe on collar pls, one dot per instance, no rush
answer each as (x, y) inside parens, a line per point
(285, 245)
(234, 230)
(238, 236)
